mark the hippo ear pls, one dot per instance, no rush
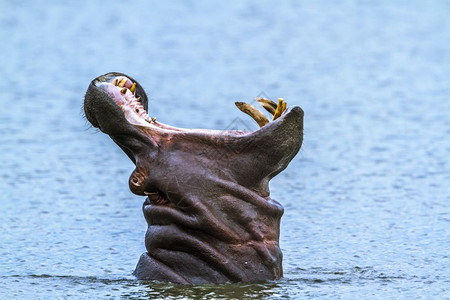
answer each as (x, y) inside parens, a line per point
(275, 144)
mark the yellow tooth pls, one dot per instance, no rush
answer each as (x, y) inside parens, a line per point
(124, 90)
(151, 120)
(133, 87)
(279, 110)
(284, 107)
(122, 82)
(268, 105)
(116, 82)
(253, 112)
(138, 99)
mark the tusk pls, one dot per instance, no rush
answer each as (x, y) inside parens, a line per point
(253, 112)
(122, 82)
(116, 82)
(268, 105)
(133, 87)
(279, 109)
(124, 90)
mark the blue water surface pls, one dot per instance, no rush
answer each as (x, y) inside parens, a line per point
(367, 200)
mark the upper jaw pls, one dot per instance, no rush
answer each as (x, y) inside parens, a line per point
(127, 94)
(110, 78)
(102, 111)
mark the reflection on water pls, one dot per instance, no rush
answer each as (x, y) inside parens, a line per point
(367, 204)
(313, 282)
(133, 289)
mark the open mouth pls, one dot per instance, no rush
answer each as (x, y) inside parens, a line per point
(123, 91)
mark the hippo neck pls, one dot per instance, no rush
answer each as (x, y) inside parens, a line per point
(187, 250)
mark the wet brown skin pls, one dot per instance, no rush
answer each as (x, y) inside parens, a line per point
(208, 207)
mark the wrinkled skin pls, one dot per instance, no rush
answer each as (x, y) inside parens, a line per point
(208, 207)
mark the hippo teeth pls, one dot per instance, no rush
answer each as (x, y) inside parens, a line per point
(133, 88)
(122, 82)
(276, 110)
(155, 198)
(123, 91)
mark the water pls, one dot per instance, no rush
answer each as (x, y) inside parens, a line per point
(367, 202)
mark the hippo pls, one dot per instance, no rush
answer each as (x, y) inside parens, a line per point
(208, 207)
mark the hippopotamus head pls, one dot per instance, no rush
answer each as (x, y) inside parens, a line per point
(208, 207)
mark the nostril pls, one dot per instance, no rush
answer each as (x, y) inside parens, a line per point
(138, 181)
